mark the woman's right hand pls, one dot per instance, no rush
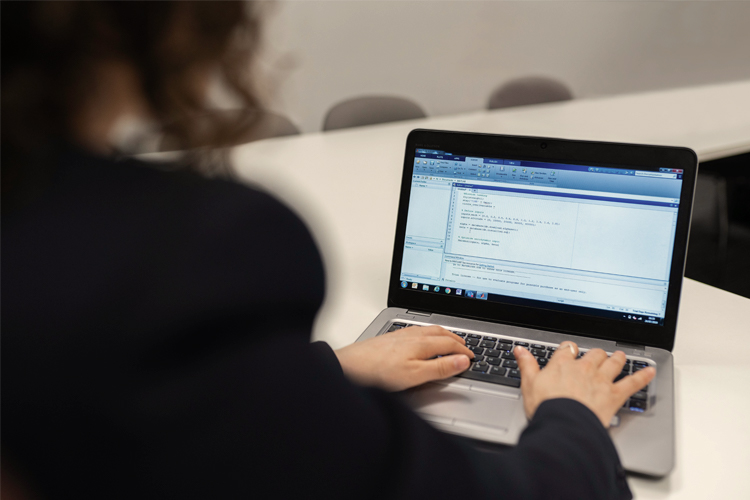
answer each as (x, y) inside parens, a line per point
(588, 380)
(405, 358)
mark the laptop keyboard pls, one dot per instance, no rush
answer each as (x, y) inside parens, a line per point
(494, 361)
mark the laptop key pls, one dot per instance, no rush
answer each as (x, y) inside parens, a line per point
(539, 353)
(542, 362)
(504, 347)
(504, 341)
(494, 361)
(509, 363)
(508, 355)
(488, 344)
(637, 405)
(493, 379)
(640, 395)
(460, 334)
(522, 344)
(477, 350)
(474, 336)
(494, 352)
(472, 342)
(481, 367)
(497, 370)
(537, 346)
(514, 374)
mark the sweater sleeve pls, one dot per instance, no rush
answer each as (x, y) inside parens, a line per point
(326, 354)
(564, 453)
(265, 415)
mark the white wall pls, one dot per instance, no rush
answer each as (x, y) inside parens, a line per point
(449, 55)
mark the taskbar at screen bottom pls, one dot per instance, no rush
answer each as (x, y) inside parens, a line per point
(465, 294)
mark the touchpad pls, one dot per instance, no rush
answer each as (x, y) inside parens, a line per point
(464, 408)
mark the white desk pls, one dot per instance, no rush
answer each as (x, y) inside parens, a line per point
(345, 186)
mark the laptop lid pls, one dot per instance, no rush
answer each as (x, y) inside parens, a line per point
(582, 237)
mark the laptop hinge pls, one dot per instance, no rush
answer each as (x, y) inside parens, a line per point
(631, 346)
(418, 313)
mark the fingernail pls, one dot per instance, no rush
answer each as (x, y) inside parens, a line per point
(461, 362)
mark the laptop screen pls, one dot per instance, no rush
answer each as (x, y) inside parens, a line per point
(587, 239)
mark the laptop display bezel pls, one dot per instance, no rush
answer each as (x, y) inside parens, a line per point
(643, 157)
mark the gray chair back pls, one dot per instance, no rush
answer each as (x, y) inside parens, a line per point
(371, 110)
(529, 90)
(268, 125)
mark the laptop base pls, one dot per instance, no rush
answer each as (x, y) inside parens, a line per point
(494, 414)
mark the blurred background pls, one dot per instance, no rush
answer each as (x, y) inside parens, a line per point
(448, 57)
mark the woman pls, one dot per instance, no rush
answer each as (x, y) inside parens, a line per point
(152, 345)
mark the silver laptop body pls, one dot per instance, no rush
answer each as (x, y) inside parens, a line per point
(602, 230)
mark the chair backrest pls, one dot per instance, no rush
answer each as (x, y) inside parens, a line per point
(271, 125)
(371, 110)
(268, 125)
(529, 90)
(707, 204)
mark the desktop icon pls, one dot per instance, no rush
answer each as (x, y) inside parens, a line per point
(524, 170)
(470, 293)
(459, 291)
(482, 295)
(447, 290)
(415, 285)
(404, 284)
(436, 289)
(502, 169)
(425, 287)
(514, 169)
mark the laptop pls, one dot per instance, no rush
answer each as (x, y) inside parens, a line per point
(508, 240)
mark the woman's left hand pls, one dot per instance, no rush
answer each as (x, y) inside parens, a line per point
(402, 359)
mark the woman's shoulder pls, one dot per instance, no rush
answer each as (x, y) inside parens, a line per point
(163, 186)
(104, 195)
(114, 229)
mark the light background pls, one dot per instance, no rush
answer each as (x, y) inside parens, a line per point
(449, 55)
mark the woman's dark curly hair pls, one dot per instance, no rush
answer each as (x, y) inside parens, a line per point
(49, 49)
